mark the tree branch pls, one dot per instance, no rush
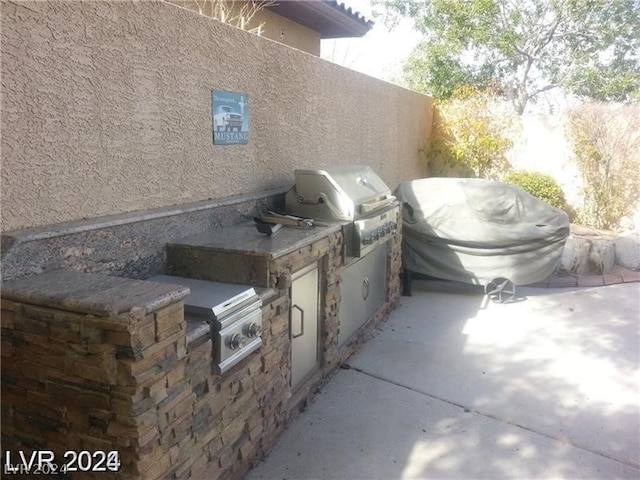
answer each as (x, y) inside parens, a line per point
(551, 86)
(548, 37)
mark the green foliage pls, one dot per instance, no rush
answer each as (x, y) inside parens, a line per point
(523, 48)
(468, 137)
(609, 84)
(446, 72)
(539, 185)
(606, 147)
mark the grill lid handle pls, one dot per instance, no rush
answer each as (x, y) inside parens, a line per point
(370, 206)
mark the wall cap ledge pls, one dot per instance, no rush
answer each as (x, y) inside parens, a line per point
(97, 223)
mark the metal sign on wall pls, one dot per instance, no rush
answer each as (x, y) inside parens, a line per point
(230, 117)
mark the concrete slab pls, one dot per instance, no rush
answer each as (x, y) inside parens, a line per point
(454, 387)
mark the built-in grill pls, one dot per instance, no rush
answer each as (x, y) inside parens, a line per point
(233, 312)
(357, 198)
(353, 195)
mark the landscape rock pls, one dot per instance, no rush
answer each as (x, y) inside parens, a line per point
(575, 256)
(602, 255)
(627, 250)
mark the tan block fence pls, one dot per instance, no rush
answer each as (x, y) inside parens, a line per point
(107, 155)
(107, 110)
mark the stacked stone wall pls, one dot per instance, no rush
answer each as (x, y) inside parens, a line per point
(77, 377)
(136, 385)
(74, 381)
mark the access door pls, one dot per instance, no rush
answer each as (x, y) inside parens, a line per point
(303, 324)
(362, 291)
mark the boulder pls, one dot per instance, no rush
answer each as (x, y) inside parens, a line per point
(602, 255)
(627, 250)
(575, 256)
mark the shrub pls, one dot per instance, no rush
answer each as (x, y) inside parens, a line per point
(606, 147)
(539, 185)
(469, 136)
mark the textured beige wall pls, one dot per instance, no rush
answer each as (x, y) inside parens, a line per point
(106, 109)
(271, 25)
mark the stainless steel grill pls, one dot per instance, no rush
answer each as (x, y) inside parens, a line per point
(352, 195)
(357, 198)
(233, 312)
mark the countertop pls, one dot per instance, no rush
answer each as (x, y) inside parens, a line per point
(92, 293)
(245, 239)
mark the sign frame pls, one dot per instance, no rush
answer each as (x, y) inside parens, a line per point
(230, 117)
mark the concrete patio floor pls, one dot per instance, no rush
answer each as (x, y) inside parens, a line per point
(453, 387)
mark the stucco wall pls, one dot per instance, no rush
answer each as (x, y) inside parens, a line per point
(106, 109)
(271, 25)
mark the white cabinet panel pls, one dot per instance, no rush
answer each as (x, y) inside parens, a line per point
(303, 324)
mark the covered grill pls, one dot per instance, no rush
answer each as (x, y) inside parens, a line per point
(479, 231)
(352, 195)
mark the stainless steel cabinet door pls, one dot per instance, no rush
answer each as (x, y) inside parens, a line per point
(303, 324)
(362, 291)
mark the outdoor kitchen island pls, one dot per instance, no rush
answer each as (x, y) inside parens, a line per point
(92, 362)
(305, 265)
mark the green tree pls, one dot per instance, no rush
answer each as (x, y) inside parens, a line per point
(521, 48)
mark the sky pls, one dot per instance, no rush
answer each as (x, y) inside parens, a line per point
(380, 53)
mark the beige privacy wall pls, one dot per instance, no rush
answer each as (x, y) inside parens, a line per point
(106, 108)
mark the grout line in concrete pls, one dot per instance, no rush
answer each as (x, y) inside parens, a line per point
(493, 417)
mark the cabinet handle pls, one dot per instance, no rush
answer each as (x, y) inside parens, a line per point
(366, 287)
(301, 321)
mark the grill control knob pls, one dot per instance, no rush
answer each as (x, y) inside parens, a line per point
(253, 330)
(366, 240)
(236, 341)
(394, 227)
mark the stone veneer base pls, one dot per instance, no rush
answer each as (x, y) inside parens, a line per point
(93, 362)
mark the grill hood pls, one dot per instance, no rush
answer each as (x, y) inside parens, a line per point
(337, 193)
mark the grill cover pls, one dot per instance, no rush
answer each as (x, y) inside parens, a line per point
(474, 230)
